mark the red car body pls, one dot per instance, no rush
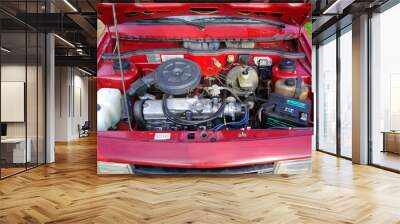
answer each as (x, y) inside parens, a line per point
(228, 148)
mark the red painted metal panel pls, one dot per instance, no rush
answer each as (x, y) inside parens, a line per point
(291, 13)
(122, 147)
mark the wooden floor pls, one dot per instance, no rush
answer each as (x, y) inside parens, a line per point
(10, 171)
(69, 191)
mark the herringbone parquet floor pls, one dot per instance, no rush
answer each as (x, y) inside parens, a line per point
(69, 191)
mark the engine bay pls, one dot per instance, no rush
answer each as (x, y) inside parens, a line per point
(189, 91)
(204, 88)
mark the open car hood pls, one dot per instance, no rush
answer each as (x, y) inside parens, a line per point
(289, 13)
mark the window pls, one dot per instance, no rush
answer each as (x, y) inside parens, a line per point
(22, 75)
(327, 96)
(385, 89)
(346, 93)
(313, 87)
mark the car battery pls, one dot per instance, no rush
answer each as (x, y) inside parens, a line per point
(282, 111)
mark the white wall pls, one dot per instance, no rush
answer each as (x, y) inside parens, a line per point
(12, 73)
(80, 110)
(17, 73)
(61, 103)
(71, 102)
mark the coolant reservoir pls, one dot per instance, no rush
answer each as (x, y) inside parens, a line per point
(108, 108)
(292, 87)
(103, 118)
(286, 68)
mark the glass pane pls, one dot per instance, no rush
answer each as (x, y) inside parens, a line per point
(314, 81)
(41, 99)
(22, 65)
(32, 97)
(385, 90)
(41, 157)
(346, 94)
(327, 97)
(13, 86)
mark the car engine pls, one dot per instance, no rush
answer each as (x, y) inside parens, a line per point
(244, 94)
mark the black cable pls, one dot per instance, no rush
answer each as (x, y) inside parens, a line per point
(257, 98)
(172, 117)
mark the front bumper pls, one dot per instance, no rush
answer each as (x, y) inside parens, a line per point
(130, 153)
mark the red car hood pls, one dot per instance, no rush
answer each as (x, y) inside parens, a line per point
(289, 13)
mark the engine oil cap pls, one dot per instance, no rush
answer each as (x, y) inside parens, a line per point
(125, 65)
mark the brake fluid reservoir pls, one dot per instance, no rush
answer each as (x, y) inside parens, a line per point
(109, 108)
(247, 77)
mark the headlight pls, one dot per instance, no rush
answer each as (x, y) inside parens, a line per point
(113, 168)
(293, 166)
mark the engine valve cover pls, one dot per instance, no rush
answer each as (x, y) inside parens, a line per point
(200, 108)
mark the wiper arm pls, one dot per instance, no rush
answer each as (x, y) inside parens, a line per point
(171, 20)
(227, 20)
(198, 25)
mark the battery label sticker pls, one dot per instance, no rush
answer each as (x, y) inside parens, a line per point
(290, 110)
(162, 136)
(166, 57)
(297, 104)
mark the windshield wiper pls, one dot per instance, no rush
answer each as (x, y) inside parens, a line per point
(239, 20)
(170, 21)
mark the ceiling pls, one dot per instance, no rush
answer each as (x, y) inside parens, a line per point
(330, 15)
(76, 21)
(72, 20)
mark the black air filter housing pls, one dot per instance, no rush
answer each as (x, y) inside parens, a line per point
(174, 77)
(177, 76)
